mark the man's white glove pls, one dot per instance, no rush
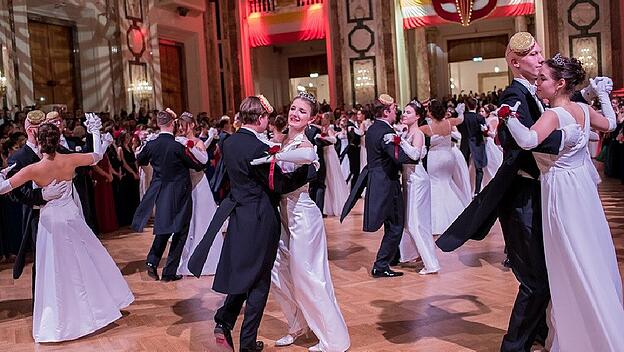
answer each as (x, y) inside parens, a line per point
(54, 190)
(389, 138)
(572, 135)
(262, 160)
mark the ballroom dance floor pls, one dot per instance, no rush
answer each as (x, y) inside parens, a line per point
(465, 307)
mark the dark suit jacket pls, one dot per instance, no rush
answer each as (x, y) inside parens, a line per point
(476, 142)
(253, 233)
(170, 189)
(464, 146)
(478, 218)
(384, 199)
(29, 197)
(311, 132)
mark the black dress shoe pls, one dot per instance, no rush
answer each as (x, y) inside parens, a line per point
(385, 273)
(223, 336)
(259, 347)
(152, 271)
(167, 278)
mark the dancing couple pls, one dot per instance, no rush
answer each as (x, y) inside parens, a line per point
(78, 288)
(264, 246)
(545, 197)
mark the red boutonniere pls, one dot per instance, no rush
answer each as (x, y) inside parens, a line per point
(324, 134)
(272, 151)
(190, 144)
(397, 141)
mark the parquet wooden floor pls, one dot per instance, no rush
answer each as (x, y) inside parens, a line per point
(464, 308)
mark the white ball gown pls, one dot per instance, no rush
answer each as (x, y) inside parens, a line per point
(448, 173)
(336, 189)
(301, 277)
(585, 283)
(78, 287)
(417, 240)
(204, 208)
(494, 158)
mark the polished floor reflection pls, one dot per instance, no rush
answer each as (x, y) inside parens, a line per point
(463, 308)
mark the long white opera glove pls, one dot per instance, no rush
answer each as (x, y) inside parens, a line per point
(525, 138)
(5, 185)
(92, 122)
(456, 135)
(199, 155)
(414, 153)
(607, 110)
(595, 87)
(212, 134)
(298, 156)
(54, 190)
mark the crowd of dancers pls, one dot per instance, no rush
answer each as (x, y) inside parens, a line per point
(256, 221)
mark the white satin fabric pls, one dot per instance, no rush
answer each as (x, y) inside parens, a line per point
(78, 287)
(494, 160)
(145, 178)
(344, 165)
(204, 208)
(450, 183)
(336, 189)
(417, 240)
(585, 283)
(301, 277)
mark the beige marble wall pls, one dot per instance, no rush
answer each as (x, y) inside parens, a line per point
(584, 14)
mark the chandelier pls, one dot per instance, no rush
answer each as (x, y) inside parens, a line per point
(143, 89)
(464, 9)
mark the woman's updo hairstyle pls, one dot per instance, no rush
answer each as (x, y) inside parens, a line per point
(420, 110)
(310, 99)
(437, 109)
(48, 138)
(567, 68)
(185, 120)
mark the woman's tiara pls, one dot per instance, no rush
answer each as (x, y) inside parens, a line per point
(307, 96)
(558, 59)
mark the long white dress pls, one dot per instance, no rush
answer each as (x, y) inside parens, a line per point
(336, 189)
(585, 283)
(78, 287)
(301, 277)
(417, 238)
(365, 125)
(494, 158)
(448, 199)
(204, 208)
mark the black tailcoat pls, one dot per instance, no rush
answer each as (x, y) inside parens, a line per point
(476, 142)
(29, 198)
(170, 188)
(478, 218)
(253, 232)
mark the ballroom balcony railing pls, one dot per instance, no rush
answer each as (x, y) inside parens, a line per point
(261, 5)
(308, 2)
(278, 5)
